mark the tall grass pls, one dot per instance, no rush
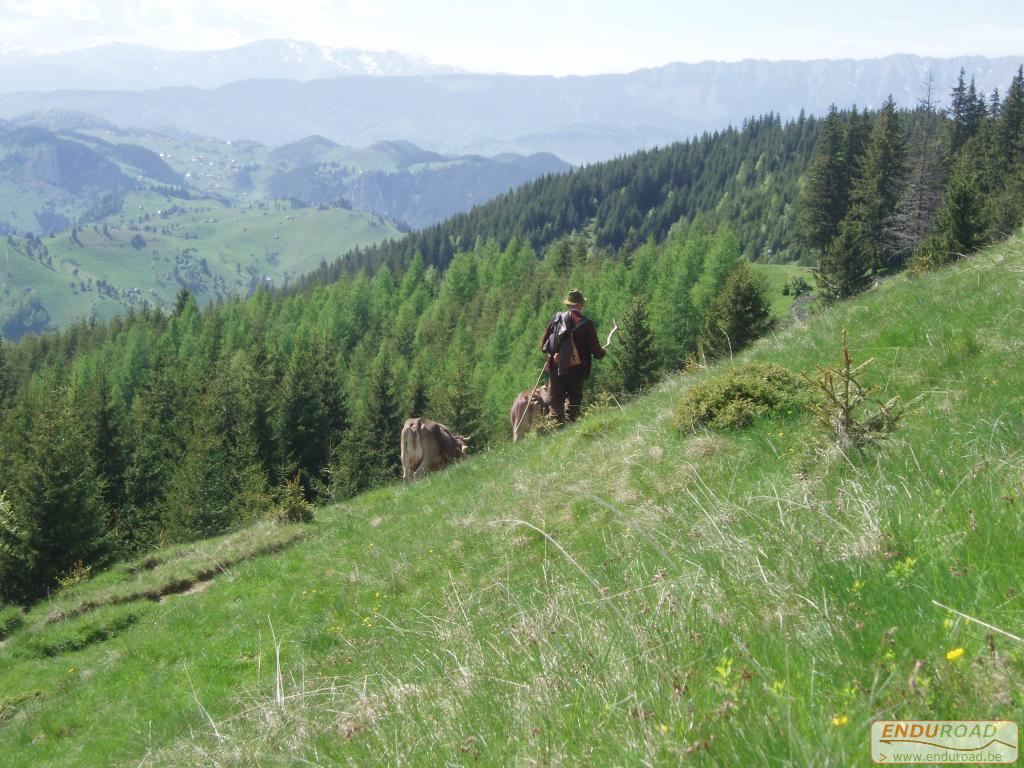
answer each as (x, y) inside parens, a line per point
(618, 593)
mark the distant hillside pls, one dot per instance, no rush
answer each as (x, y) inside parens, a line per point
(51, 181)
(154, 245)
(419, 188)
(103, 219)
(132, 67)
(580, 119)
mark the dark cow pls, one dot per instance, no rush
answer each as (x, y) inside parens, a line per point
(427, 445)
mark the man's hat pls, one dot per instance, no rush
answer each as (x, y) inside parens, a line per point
(575, 297)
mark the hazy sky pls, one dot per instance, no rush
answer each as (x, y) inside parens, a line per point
(536, 36)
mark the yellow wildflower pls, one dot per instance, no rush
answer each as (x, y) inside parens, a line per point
(955, 654)
(840, 721)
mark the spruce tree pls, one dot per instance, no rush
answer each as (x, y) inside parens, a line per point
(959, 112)
(858, 136)
(453, 396)
(219, 481)
(1010, 124)
(157, 431)
(823, 201)
(182, 300)
(368, 453)
(844, 269)
(55, 516)
(738, 315)
(383, 412)
(960, 224)
(878, 186)
(105, 429)
(260, 383)
(636, 360)
(302, 424)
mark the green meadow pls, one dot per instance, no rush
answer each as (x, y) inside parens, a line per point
(159, 244)
(618, 593)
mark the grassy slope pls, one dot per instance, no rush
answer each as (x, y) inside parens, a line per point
(615, 594)
(777, 276)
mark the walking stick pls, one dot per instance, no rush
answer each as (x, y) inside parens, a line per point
(608, 341)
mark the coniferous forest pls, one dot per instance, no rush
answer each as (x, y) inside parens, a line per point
(156, 427)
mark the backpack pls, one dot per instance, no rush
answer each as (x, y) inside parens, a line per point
(560, 344)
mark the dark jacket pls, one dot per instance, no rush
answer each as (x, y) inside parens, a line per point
(584, 336)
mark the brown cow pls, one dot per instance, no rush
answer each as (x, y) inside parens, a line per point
(528, 410)
(427, 445)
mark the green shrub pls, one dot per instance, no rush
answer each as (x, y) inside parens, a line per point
(11, 618)
(740, 395)
(291, 506)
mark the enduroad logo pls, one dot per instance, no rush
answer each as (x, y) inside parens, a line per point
(958, 742)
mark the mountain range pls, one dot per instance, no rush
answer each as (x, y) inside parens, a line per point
(580, 119)
(60, 168)
(134, 67)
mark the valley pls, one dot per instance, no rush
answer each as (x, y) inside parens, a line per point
(100, 219)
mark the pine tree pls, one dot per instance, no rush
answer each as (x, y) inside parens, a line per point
(54, 516)
(383, 412)
(823, 202)
(959, 112)
(103, 425)
(182, 300)
(302, 427)
(844, 269)
(157, 430)
(960, 224)
(1010, 124)
(219, 481)
(368, 453)
(858, 136)
(738, 315)
(636, 360)
(454, 398)
(878, 186)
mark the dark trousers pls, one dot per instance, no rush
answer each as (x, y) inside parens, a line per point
(568, 387)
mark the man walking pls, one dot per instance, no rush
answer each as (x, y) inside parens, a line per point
(570, 342)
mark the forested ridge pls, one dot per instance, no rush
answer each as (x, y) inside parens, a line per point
(746, 176)
(161, 427)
